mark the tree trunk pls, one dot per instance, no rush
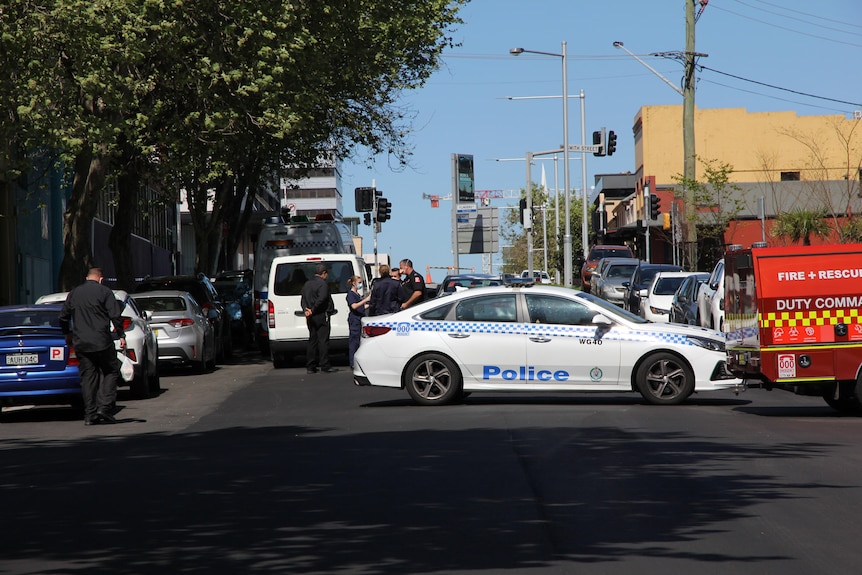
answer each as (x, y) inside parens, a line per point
(237, 214)
(206, 225)
(128, 185)
(87, 186)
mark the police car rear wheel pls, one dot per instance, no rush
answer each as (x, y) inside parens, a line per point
(664, 379)
(433, 379)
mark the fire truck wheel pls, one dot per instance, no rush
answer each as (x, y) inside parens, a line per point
(848, 401)
(664, 379)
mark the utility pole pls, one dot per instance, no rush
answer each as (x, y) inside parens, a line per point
(689, 165)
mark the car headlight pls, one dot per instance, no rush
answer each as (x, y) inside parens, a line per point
(707, 343)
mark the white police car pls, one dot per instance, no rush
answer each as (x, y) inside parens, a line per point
(535, 338)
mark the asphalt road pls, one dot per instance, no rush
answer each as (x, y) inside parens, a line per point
(252, 470)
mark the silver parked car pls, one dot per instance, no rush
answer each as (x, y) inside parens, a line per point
(141, 345)
(614, 273)
(182, 328)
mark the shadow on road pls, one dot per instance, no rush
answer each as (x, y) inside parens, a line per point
(294, 499)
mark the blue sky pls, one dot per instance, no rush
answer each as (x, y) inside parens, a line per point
(809, 49)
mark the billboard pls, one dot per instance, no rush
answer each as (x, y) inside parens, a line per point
(463, 169)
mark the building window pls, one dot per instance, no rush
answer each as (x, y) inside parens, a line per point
(789, 176)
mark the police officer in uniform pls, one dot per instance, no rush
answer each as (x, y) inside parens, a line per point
(413, 284)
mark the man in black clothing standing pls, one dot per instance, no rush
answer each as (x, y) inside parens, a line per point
(93, 308)
(414, 284)
(318, 306)
(386, 295)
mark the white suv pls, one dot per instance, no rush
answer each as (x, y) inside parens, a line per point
(710, 300)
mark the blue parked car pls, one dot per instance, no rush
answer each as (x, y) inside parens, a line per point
(36, 365)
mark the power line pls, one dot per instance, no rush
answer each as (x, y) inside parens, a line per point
(774, 87)
(730, 87)
(828, 39)
(807, 20)
(806, 14)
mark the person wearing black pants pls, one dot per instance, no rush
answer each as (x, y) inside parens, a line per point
(318, 306)
(94, 309)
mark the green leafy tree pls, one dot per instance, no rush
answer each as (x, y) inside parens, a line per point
(515, 238)
(800, 225)
(717, 203)
(74, 70)
(261, 89)
(212, 98)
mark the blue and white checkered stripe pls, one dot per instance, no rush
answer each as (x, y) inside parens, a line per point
(532, 329)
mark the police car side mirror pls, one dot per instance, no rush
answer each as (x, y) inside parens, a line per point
(602, 320)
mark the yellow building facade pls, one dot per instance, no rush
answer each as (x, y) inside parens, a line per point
(781, 162)
(760, 146)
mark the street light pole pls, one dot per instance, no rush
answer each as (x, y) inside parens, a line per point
(567, 235)
(528, 213)
(688, 144)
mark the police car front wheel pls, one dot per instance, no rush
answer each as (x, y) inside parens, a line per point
(664, 379)
(433, 379)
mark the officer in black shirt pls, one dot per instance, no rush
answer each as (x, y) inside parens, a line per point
(413, 284)
(92, 308)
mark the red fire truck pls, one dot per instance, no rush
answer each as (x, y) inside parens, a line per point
(793, 318)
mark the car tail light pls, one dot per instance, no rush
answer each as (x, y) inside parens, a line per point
(181, 322)
(271, 315)
(73, 357)
(127, 323)
(375, 330)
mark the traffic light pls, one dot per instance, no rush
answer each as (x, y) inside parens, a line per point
(522, 206)
(654, 205)
(666, 224)
(612, 143)
(364, 199)
(384, 210)
(366, 219)
(599, 140)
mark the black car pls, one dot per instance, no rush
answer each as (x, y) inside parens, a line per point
(642, 278)
(683, 307)
(205, 293)
(236, 290)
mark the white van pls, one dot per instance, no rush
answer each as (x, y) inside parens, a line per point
(288, 334)
(298, 235)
